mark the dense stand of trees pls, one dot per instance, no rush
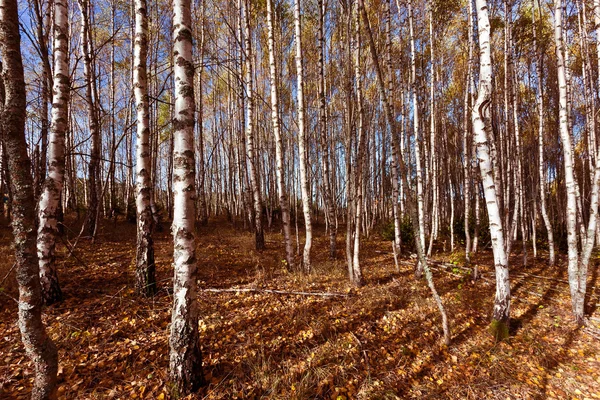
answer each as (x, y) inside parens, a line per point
(373, 115)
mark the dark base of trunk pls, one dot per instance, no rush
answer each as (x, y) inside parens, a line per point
(145, 274)
(259, 239)
(51, 292)
(499, 329)
(332, 248)
(358, 282)
(190, 377)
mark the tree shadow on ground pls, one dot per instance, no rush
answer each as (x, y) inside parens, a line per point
(516, 324)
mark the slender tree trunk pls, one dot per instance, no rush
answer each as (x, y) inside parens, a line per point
(94, 165)
(49, 202)
(283, 201)
(42, 35)
(250, 134)
(37, 343)
(466, 158)
(577, 267)
(145, 277)
(481, 118)
(403, 171)
(419, 172)
(203, 212)
(395, 150)
(185, 364)
(327, 195)
(432, 139)
(356, 277)
(302, 142)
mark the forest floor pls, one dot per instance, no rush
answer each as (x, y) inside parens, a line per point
(382, 341)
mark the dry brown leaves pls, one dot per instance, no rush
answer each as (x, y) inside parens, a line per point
(383, 341)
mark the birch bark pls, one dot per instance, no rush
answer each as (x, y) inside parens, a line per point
(49, 202)
(481, 119)
(145, 276)
(302, 149)
(283, 201)
(185, 364)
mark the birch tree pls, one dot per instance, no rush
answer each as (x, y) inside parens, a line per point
(481, 120)
(327, 190)
(578, 265)
(411, 201)
(185, 360)
(93, 118)
(145, 280)
(302, 150)
(283, 201)
(415, 105)
(38, 345)
(51, 191)
(541, 163)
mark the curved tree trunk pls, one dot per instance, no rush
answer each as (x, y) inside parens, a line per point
(481, 118)
(418, 169)
(37, 343)
(411, 201)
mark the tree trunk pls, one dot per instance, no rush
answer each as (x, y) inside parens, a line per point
(302, 142)
(259, 236)
(481, 119)
(283, 201)
(356, 277)
(145, 277)
(327, 195)
(37, 343)
(49, 202)
(403, 172)
(419, 172)
(94, 165)
(185, 364)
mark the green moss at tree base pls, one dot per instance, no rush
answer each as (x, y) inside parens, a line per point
(499, 329)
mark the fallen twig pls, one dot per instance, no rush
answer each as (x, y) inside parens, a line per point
(7, 274)
(322, 294)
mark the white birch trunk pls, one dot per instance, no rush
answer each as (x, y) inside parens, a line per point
(565, 136)
(481, 118)
(145, 280)
(185, 359)
(327, 190)
(283, 202)
(356, 276)
(302, 150)
(403, 171)
(51, 191)
(257, 202)
(418, 169)
(541, 163)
